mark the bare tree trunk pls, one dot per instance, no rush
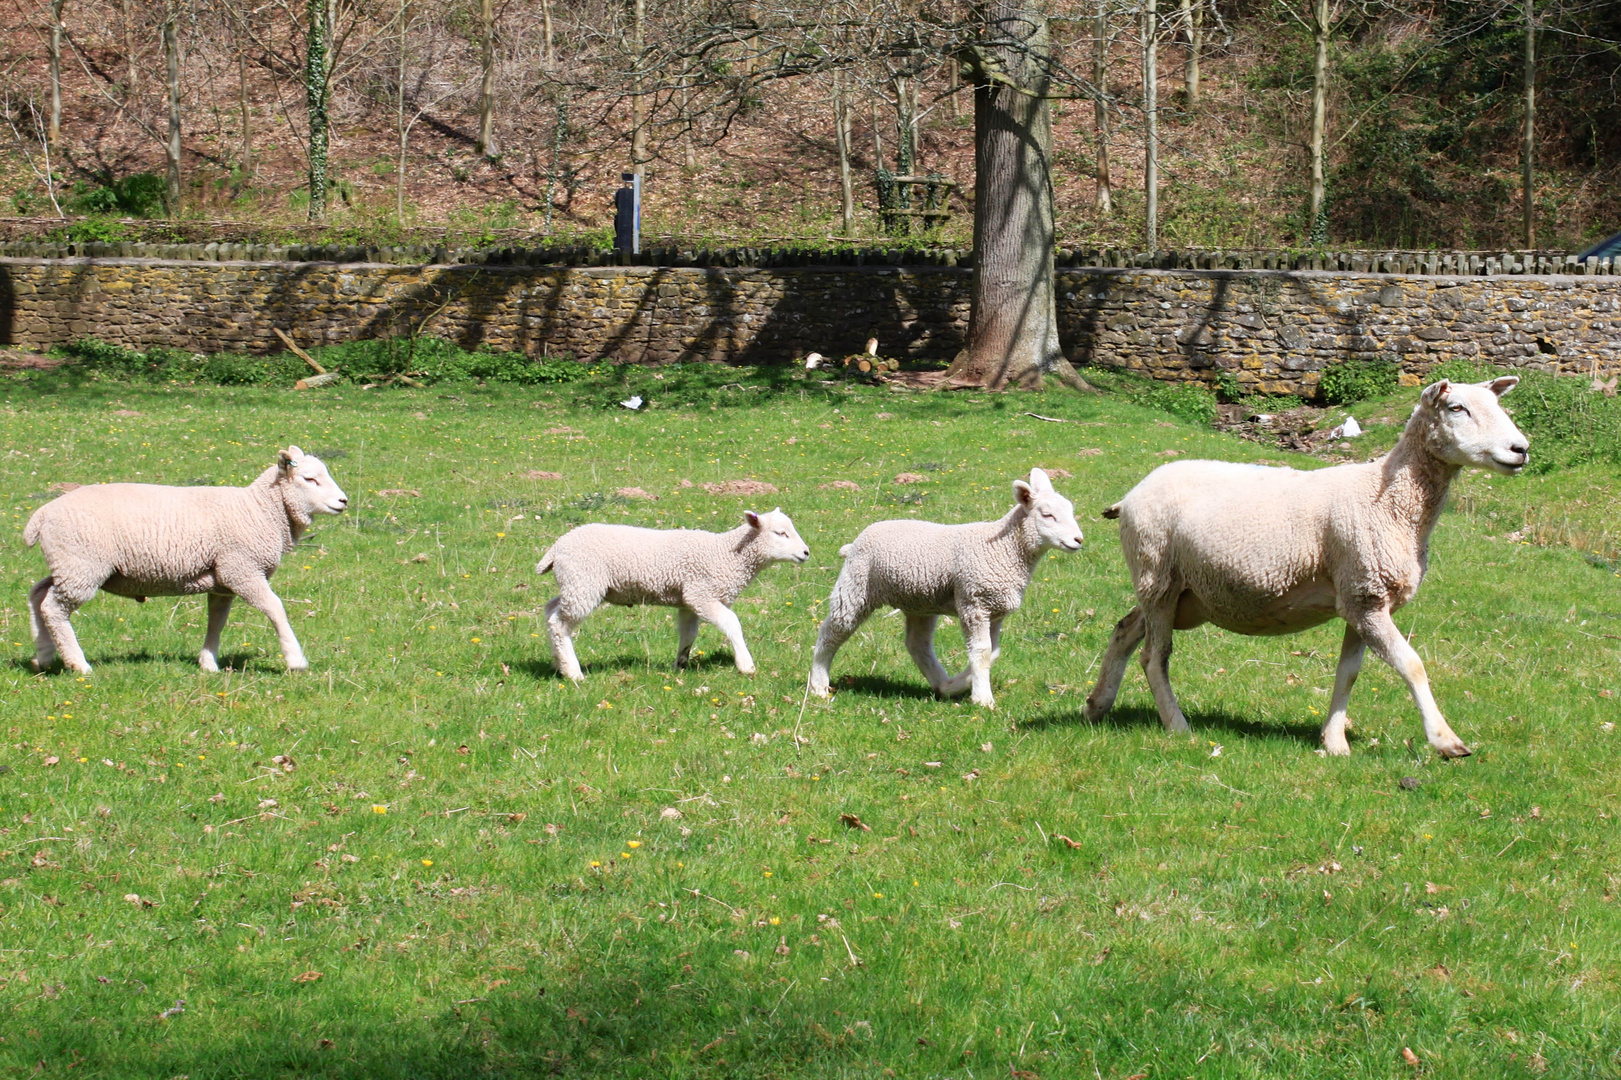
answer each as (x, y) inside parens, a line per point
(242, 103)
(1103, 199)
(134, 68)
(638, 103)
(1193, 26)
(53, 133)
(1151, 123)
(317, 68)
(841, 133)
(1317, 214)
(399, 122)
(1013, 323)
(171, 58)
(955, 98)
(486, 93)
(1529, 143)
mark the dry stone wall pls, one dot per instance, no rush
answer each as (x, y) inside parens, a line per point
(1275, 331)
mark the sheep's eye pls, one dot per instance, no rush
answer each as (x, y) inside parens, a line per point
(1457, 408)
(1048, 514)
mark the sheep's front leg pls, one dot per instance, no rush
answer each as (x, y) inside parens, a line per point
(263, 597)
(687, 634)
(44, 647)
(1351, 651)
(920, 644)
(1158, 623)
(56, 608)
(560, 632)
(219, 609)
(725, 620)
(1128, 634)
(1389, 645)
(976, 629)
(961, 682)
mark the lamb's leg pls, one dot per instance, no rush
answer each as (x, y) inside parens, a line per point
(560, 631)
(920, 644)
(1128, 634)
(1389, 645)
(687, 631)
(725, 620)
(960, 683)
(843, 619)
(44, 647)
(1351, 651)
(976, 629)
(1158, 621)
(56, 607)
(219, 609)
(259, 593)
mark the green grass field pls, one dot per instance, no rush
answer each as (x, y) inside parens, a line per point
(429, 857)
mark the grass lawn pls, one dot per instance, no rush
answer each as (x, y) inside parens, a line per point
(430, 857)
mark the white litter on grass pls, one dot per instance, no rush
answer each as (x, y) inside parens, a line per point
(633, 402)
(1350, 429)
(813, 361)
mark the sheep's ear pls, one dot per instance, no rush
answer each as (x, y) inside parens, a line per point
(1023, 492)
(1039, 480)
(288, 459)
(1434, 392)
(752, 518)
(1504, 385)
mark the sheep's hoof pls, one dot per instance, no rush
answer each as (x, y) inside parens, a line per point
(750, 670)
(208, 663)
(1339, 749)
(986, 703)
(295, 666)
(1455, 749)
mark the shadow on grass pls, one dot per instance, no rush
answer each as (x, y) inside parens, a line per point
(237, 662)
(882, 686)
(544, 669)
(1137, 717)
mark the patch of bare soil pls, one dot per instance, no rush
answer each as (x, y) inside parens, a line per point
(1293, 429)
(542, 474)
(396, 493)
(841, 485)
(635, 493)
(741, 487)
(1056, 473)
(32, 361)
(911, 478)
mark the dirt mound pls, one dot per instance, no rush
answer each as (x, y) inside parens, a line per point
(842, 485)
(635, 493)
(562, 431)
(741, 487)
(394, 493)
(911, 478)
(542, 474)
(1057, 474)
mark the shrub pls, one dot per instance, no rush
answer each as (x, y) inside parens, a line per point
(1190, 401)
(1347, 381)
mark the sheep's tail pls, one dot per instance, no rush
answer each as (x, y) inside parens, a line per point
(31, 530)
(1112, 512)
(544, 566)
(844, 552)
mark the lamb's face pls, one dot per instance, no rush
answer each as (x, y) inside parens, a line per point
(308, 484)
(1052, 514)
(1469, 426)
(777, 536)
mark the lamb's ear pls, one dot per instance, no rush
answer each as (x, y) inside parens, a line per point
(289, 458)
(1504, 385)
(1040, 480)
(1023, 492)
(1434, 392)
(752, 518)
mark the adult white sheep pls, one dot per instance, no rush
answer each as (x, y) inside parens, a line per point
(1260, 550)
(977, 572)
(140, 540)
(700, 573)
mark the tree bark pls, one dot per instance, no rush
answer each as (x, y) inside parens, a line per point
(1103, 199)
(242, 103)
(400, 127)
(1151, 124)
(53, 133)
(316, 69)
(548, 54)
(1529, 143)
(841, 133)
(638, 104)
(1013, 322)
(171, 58)
(133, 66)
(1193, 25)
(1317, 216)
(486, 92)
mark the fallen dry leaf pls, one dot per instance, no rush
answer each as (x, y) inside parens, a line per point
(1408, 1056)
(1067, 841)
(52, 760)
(851, 821)
(307, 977)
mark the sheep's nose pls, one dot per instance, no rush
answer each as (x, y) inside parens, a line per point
(1520, 448)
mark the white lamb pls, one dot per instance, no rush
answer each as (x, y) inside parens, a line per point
(977, 572)
(1264, 551)
(140, 540)
(701, 573)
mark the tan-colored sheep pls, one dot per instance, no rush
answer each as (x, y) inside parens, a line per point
(1265, 551)
(140, 540)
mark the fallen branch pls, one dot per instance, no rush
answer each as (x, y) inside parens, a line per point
(296, 351)
(1038, 416)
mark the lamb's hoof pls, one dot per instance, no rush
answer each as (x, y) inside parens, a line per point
(750, 670)
(822, 690)
(84, 669)
(1453, 749)
(208, 663)
(984, 703)
(1337, 749)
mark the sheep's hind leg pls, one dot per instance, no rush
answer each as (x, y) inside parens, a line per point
(44, 647)
(56, 608)
(1158, 626)
(840, 624)
(1128, 634)
(1387, 642)
(725, 620)
(920, 644)
(687, 634)
(219, 609)
(560, 632)
(259, 593)
(1350, 665)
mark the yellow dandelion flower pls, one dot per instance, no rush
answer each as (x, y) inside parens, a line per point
(634, 844)
(595, 865)
(379, 809)
(427, 862)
